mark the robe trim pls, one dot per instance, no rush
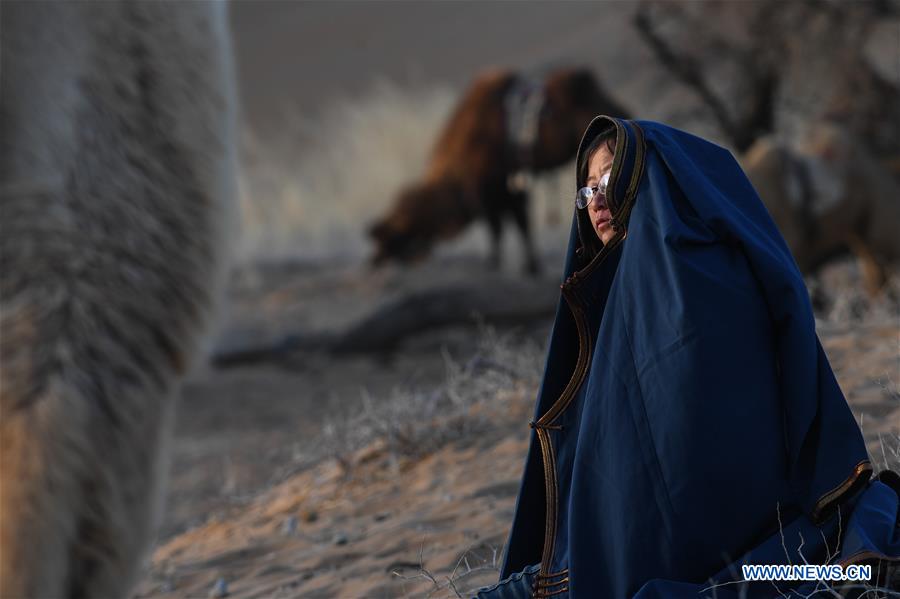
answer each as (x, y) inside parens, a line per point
(619, 219)
(562, 572)
(864, 556)
(569, 288)
(543, 584)
(548, 456)
(581, 363)
(825, 504)
(867, 555)
(620, 216)
(540, 593)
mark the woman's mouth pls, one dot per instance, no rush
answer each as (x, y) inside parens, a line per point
(602, 220)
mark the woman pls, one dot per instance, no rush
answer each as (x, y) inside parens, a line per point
(688, 420)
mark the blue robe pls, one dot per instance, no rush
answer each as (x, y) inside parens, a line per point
(688, 416)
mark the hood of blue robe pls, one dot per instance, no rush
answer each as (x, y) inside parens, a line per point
(687, 407)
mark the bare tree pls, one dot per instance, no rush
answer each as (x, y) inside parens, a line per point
(760, 67)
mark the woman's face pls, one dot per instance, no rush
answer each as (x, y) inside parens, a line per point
(599, 164)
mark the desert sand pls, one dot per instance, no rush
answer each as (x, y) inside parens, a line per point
(389, 474)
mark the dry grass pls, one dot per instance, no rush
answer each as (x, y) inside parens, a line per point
(502, 375)
(822, 588)
(457, 582)
(846, 301)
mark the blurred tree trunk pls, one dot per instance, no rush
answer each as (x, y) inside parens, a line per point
(770, 66)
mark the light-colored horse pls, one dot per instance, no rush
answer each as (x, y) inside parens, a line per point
(116, 182)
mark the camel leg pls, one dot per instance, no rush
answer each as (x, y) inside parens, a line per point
(518, 206)
(874, 276)
(495, 227)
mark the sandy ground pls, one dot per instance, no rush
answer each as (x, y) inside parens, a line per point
(244, 428)
(261, 505)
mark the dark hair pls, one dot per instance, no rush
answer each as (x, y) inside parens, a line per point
(590, 243)
(607, 136)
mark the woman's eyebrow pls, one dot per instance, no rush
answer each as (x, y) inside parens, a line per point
(591, 178)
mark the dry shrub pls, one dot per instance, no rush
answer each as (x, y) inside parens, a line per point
(494, 385)
(842, 298)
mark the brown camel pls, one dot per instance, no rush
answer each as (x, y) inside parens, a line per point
(503, 125)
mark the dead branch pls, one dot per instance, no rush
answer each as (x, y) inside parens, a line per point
(512, 301)
(508, 301)
(685, 68)
(771, 38)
